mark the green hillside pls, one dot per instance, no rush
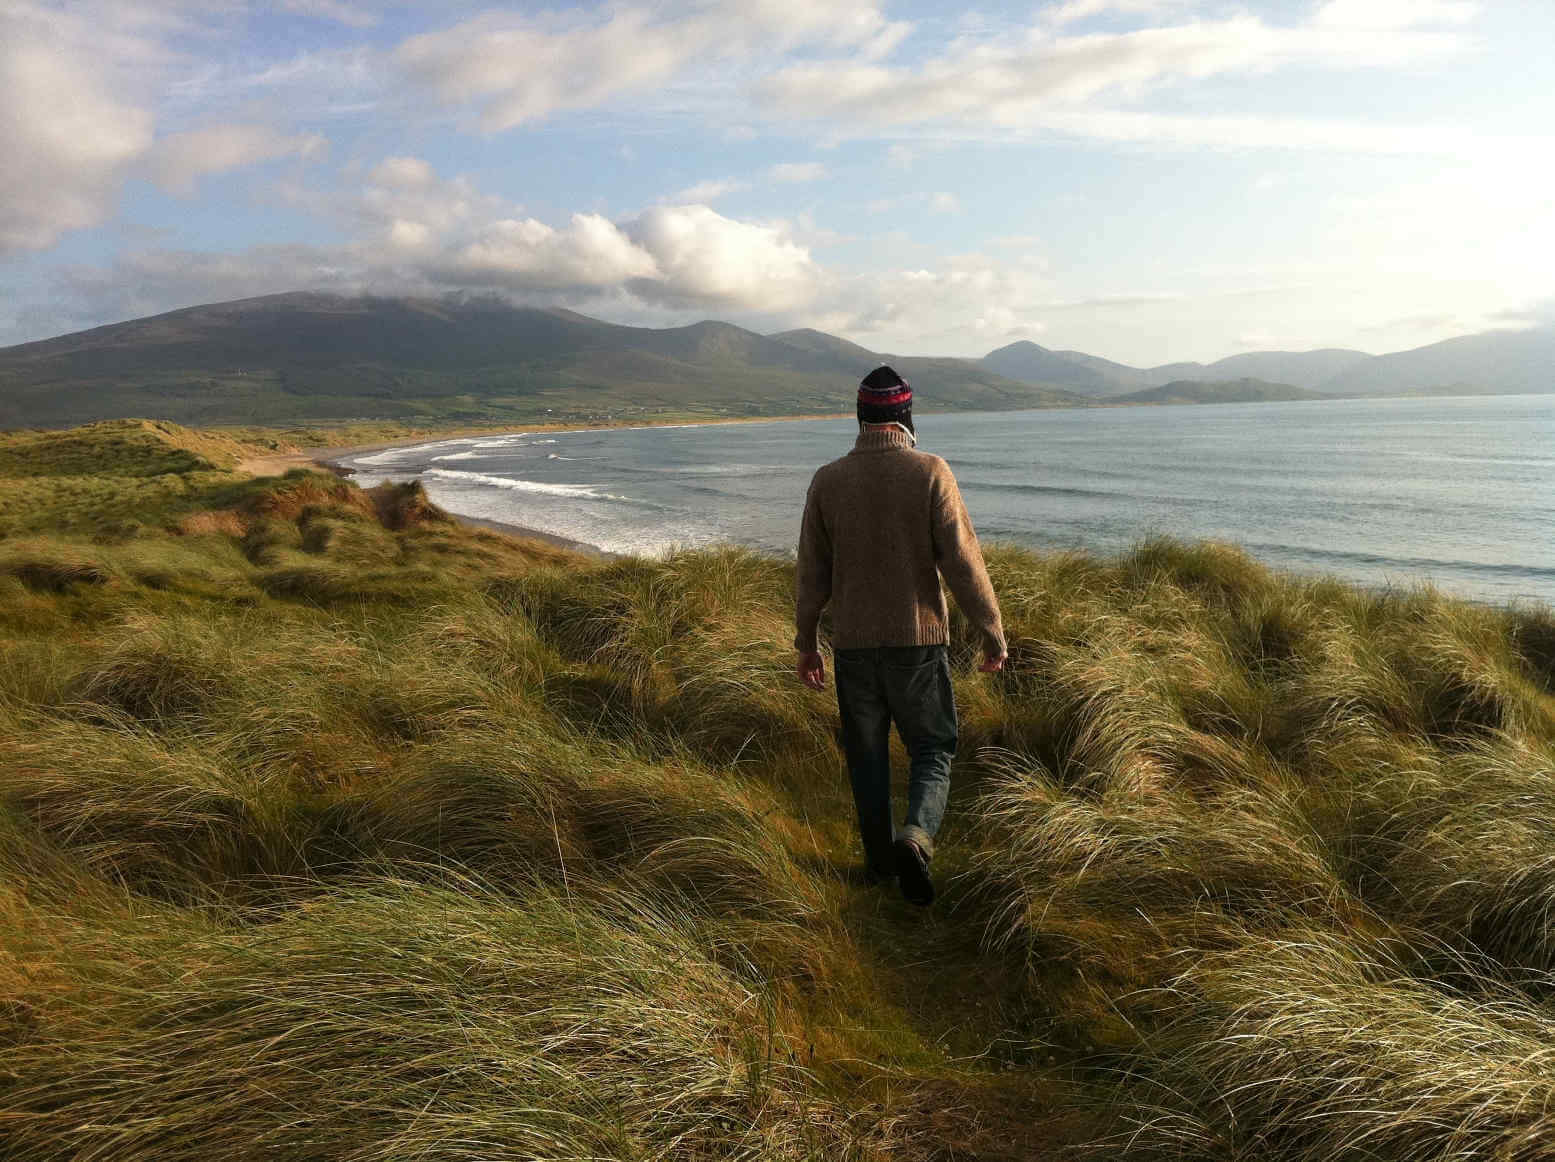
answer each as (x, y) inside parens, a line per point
(333, 829)
(299, 358)
(1192, 391)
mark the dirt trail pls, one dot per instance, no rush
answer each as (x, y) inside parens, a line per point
(276, 464)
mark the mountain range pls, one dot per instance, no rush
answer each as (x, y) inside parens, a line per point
(303, 356)
(1493, 362)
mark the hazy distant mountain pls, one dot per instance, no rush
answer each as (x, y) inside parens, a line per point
(1193, 391)
(1031, 363)
(1309, 369)
(1103, 378)
(1493, 362)
(302, 357)
(1121, 376)
(286, 358)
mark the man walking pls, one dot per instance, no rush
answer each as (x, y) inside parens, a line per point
(881, 525)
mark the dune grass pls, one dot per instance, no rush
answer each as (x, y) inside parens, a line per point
(330, 828)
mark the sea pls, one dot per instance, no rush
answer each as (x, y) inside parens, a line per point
(1457, 492)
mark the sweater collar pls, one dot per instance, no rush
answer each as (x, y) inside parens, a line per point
(882, 440)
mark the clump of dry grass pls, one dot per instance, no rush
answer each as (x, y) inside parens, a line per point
(159, 816)
(1119, 882)
(695, 649)
(584, 1029)
(160, 669)
(1291, 868)
(51, 568)
(1315, 1045)
(212, 523)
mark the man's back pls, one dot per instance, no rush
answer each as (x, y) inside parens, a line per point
(880, 525)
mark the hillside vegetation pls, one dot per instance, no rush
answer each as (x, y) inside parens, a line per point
(333, 829)
(1192, 391)
(303, 358)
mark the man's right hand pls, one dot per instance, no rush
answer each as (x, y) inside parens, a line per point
(812, 670)
(992, 663)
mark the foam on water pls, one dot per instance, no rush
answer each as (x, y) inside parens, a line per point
(515, 485)
(406, 455)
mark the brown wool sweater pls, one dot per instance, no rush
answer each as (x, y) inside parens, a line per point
(880, 526)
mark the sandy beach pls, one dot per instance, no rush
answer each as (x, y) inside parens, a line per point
(329, 459)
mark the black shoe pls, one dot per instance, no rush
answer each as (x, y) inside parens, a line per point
(875, 877)
(912, 868)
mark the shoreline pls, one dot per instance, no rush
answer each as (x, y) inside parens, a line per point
(328, 458)
(325, 456)
(582, 548)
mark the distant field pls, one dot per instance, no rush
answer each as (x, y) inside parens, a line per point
(332, 829)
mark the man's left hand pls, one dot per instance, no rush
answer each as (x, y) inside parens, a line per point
(812, 670)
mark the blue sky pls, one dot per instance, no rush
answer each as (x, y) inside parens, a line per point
(1146, 180)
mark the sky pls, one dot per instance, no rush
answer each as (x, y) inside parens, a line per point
(1144, 180)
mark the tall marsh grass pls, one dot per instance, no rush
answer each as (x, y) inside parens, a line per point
(332, 829)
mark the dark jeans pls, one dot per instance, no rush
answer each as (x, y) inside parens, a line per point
(908, 685)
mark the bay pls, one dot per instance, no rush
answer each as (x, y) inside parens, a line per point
(1459, 492)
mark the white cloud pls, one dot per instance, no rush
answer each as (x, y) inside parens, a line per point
(708, 191)
(1076, 10)
(939, 201)
(67, 132)
(797, 171)
(1021, 81)
(417, 229)
(77, 85)
(177, 162)
(941, 309)
(525, 254)
(703, 257)
(403, 173)
(1236, 132)
(404, 202)
(807, 232)
(520, 67)
(664, 261)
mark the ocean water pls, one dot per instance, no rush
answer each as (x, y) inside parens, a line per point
(1459, 492)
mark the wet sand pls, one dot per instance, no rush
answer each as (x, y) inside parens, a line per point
(511, 530)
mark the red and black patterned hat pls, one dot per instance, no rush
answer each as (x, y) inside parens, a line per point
(884, 397)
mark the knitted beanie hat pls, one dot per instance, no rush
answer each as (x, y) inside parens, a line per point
(884, 397)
